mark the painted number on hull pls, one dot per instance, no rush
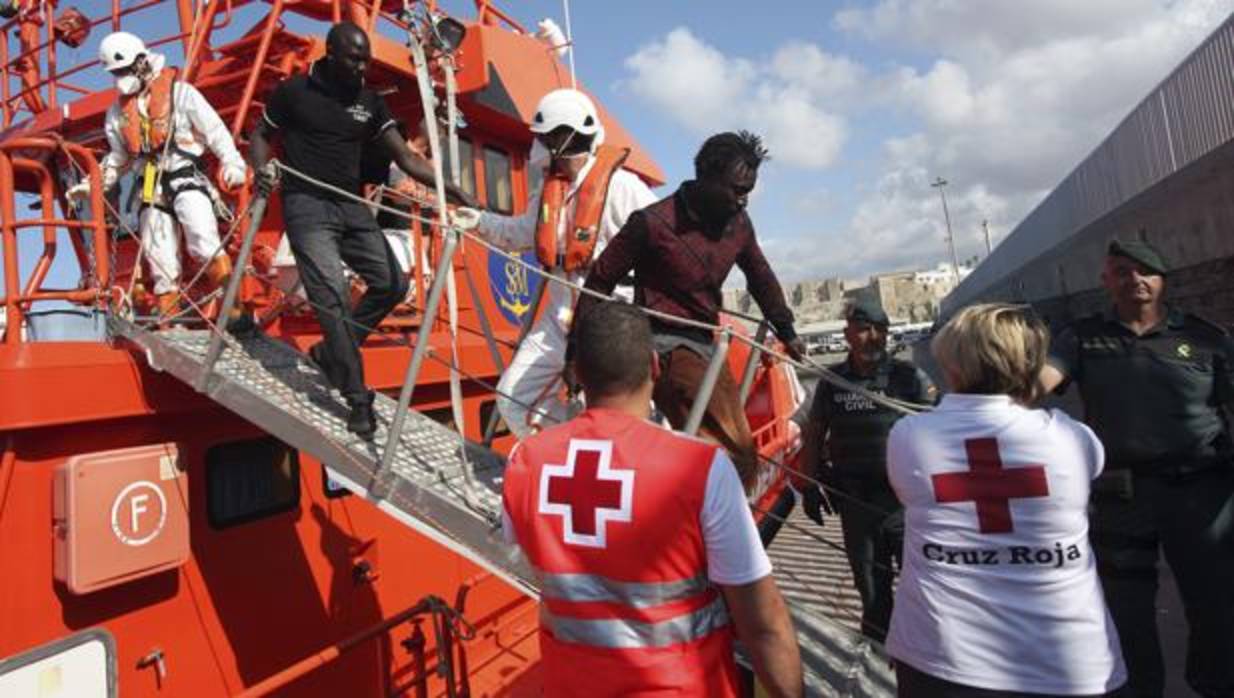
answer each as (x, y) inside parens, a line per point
(139, 513)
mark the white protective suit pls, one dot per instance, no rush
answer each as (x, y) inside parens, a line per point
(533, 376)
(195, 127)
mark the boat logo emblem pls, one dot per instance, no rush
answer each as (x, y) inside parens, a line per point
(1184, 350)
(513, 285)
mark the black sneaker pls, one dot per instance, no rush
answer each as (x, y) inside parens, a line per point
(242, 326)
(362, 421)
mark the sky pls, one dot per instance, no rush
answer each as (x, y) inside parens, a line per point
(863, 104)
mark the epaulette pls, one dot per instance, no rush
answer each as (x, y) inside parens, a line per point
(1198, 319)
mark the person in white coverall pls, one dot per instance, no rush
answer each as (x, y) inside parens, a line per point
(567, 126)
(164, 126)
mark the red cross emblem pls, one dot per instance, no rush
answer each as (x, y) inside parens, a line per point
(586, 492)
(990, 486)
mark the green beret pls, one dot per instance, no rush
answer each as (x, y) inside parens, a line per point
(1141, 252)
(866, 309)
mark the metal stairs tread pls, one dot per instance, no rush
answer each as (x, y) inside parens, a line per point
(279, 389)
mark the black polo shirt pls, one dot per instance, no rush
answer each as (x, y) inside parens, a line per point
(325, 129)
(1155, 399)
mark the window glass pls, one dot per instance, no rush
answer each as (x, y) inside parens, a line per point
(497, 180)
(467, 163)
(249, 480)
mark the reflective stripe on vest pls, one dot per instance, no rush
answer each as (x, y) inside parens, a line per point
(584, 232)
(623, 633)
(593, 587)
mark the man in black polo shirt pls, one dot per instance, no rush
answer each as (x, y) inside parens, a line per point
(326, 119)
(1156, 384)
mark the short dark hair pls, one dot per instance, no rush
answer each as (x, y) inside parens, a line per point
(723, 150)
(613, 349)
(344, 31)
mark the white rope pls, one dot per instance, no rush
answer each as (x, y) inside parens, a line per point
(808, 366)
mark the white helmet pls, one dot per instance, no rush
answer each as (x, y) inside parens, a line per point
(119, 50)
(566, 107)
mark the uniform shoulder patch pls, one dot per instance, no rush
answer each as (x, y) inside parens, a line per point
(1206, 323)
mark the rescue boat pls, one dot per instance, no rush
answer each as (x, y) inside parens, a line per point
(183, 513)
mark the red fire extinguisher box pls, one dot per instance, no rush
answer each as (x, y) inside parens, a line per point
(119, 515)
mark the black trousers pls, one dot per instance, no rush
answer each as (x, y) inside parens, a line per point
(324, 234)
(873, 528)
(1191, 520)
(911, 683)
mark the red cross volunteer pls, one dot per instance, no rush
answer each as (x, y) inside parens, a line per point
(999, 589)
(628, 526)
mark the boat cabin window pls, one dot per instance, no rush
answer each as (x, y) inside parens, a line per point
(497, 182)
(466, 165)
(249, 480)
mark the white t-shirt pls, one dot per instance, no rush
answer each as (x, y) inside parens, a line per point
(735, 554)
(999, 588)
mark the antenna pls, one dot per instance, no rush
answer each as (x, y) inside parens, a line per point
(565, 4)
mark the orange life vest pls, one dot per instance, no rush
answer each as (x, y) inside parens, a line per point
(591, 195)
(146, 134)
(607, 510)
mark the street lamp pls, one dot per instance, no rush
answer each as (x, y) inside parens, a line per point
(939, 183)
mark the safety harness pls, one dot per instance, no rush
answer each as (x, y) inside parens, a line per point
(591, 195)
(146, 135)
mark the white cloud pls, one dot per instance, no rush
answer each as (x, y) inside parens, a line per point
(779, 98)
(1002, 97)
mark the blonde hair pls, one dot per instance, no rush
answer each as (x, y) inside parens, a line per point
(994, 349)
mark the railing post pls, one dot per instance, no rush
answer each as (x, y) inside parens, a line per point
(8, 228)
(259, 64)
(456, 178)
(422, 343)
(718, 356)
(5, 97)
(756, 350)
(256, 213)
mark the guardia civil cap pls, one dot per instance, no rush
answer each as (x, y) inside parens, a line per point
(866, 309)
(1141, 252)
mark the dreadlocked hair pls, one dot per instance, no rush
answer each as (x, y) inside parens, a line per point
(724, 150)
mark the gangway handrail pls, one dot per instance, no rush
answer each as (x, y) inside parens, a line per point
(805, 364)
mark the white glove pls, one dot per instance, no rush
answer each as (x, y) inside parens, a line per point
(465, 218)
(234, 175)
(78, 192)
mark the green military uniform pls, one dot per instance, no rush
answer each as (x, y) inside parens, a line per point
(1156, 402)
(870, 515)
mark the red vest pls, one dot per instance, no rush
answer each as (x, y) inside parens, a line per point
(582, 236)
(606, 508)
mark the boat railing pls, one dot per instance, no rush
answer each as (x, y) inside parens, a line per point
(30, 157)
(34, 63)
